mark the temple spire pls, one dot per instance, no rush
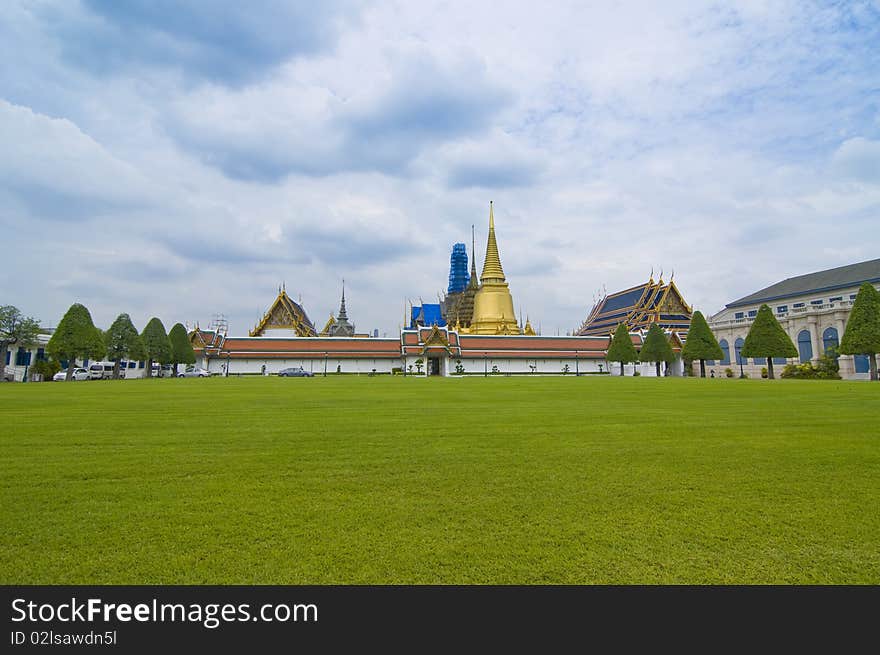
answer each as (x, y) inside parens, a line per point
(492, 264)
(342, 314)
(474, 282)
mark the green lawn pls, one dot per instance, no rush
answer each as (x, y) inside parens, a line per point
(390, 480)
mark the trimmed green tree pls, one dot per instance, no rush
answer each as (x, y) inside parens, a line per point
(701, 343)
(15, 329)
(656, 347)
(862, 333)
(76, 336)
(97, 347)
(181, 348)
(123, 342)
(766, 338)
(621, 348)
(157, 347)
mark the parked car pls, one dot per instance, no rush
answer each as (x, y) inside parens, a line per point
(298, 372)
(101, 370)
(78, 374)
(162, 370)
(194, 372)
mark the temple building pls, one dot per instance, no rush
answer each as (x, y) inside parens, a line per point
(473, 331)
(638, 307)
(493, 311)
(284, 318)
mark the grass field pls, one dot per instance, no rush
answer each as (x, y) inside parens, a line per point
(389, 480)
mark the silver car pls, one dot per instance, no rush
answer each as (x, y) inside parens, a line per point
(194, 372)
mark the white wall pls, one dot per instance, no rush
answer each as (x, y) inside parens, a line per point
(316, 366)
(478, 366)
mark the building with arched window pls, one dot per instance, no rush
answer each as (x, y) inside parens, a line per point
(813, 310)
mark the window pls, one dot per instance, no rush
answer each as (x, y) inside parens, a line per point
(779, 360)
(782, 309)
(7, 357)
(132, 364)
(829, 339)
(852, 296)
(23, 357)
(141, 364)
(798, 305)
(805, 346)
(41, 354)
(725, 348)
(862, 363)
(739, 315)
(753, 313)
(85, 363)
(835, 299)
(710, 362)
(737, 347)
(816, 302)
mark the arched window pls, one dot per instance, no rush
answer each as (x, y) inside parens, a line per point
(737, 347)
(829, 339)
(725, 348)
(805, 348)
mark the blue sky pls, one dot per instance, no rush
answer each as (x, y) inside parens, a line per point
(181, 159)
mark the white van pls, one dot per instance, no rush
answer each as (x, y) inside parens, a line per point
(101, 370)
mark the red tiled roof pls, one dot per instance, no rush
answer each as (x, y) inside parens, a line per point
(311, 347)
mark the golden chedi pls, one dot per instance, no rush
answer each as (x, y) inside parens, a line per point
(493, 305)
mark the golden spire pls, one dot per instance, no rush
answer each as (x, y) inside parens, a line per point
(492, 270)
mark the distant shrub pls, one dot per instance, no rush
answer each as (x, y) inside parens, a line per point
(728, 372)
(764, 372)
(636, 374)
(45, 368)
(827, 368)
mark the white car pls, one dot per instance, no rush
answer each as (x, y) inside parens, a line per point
(101, 370)
(194, 372)
(79, 374)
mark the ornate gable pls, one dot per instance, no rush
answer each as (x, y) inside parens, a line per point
(285, 314)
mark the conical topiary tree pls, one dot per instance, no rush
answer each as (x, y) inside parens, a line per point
(157, 348)
(656, 347)
(181, 348)
(766, 338)
(123, 342)
(75, 336)
(862, 333)
(701, 343)
(621, 348)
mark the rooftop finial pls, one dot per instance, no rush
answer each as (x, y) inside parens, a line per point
(492, 263)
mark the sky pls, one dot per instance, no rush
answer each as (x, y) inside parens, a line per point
(181, 159)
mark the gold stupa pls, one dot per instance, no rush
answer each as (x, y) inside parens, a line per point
(493, 305)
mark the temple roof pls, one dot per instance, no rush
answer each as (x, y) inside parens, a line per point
(310, 348)
(285, 314)
(471, 346)
(638, 307)
(841, 277)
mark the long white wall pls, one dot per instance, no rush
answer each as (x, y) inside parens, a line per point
(252, 365)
